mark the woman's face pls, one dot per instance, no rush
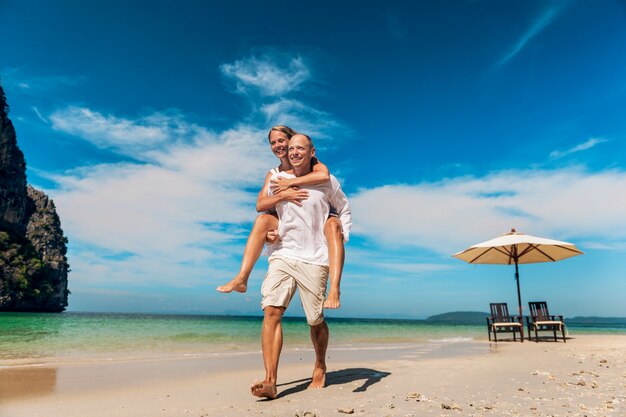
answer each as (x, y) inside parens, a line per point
(279, 142)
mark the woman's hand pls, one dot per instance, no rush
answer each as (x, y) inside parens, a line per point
(278, 185)
(272, 236)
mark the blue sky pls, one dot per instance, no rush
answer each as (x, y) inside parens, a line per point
(447, 123)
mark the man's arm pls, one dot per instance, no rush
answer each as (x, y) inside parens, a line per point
(268, 200)
(318, 175)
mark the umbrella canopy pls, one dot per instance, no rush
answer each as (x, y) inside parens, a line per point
(518, 248)
(514, 247)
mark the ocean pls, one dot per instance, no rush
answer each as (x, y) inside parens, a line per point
(38, 337)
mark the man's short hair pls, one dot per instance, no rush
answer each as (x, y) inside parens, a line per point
(308, 138)
(282, 128)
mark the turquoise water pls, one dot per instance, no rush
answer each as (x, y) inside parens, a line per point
(32, 336)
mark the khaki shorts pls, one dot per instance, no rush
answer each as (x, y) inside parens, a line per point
(284, 275)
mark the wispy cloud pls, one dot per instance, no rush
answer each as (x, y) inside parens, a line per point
(316, 123)
(39, 115)
(122, 134)
(272, 75)
(447, 216)
(161, 212)
(267, 80)
(578, 148)
(22, 80)
(541, 23)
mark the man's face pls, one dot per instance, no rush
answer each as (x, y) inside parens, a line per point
(300, 152)
(279, 142)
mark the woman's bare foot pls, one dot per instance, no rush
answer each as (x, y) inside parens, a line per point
(318, 380)
(238, 284)
(263, 390)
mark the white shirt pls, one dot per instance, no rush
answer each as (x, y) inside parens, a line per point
(301, 228)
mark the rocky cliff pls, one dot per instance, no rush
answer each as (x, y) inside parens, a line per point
(33, 265)
(12, 176)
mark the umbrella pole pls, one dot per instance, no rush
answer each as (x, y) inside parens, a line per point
(519, 302)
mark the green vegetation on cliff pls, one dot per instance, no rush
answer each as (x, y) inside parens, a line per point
(27, 283)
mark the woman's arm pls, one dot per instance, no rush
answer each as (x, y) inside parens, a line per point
(266, 202)
(318, 175)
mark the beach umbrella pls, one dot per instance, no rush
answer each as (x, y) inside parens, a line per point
(518, 248)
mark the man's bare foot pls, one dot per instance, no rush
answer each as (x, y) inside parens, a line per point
(332, 301)
(263, 390)
(318, 380)
(238, 284)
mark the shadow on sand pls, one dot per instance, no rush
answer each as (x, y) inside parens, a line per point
(344, 376)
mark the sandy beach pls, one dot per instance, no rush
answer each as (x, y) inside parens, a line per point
(584, 377)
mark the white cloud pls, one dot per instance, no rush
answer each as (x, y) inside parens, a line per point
(164, 210)
(315, 123)
(274, 75)
(39, 115)
(450, 215)
(175, 217)
(270, 74)
(578, 148)
(540, 24)
(126, 136)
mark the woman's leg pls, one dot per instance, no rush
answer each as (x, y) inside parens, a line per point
(254, 247)
(336, 255)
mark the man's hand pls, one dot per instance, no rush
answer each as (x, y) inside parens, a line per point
(294, 195)
(272, 236)
(332, 301)
(278, 185)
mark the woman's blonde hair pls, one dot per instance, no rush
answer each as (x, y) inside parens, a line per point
(282, 128)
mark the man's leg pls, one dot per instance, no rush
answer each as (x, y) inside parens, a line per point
(319, 336)
(272, 344)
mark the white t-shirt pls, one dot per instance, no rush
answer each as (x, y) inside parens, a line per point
(301, 228)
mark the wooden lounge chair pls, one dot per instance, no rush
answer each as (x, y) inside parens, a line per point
(541, 320)
(501, 322)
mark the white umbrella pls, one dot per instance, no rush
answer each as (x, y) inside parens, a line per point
(518, 248)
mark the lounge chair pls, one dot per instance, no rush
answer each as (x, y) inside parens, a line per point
(501, 322)
(541, 320)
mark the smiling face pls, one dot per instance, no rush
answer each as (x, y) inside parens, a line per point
(300, 152)
(279, 141)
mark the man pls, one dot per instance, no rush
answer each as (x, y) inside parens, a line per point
(300, 260)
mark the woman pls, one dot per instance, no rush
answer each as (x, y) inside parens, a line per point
(266, 224)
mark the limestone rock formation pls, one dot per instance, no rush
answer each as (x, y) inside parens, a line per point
(12, 176)
(33, 265)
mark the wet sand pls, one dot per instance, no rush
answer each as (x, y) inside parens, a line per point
(584, 377)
